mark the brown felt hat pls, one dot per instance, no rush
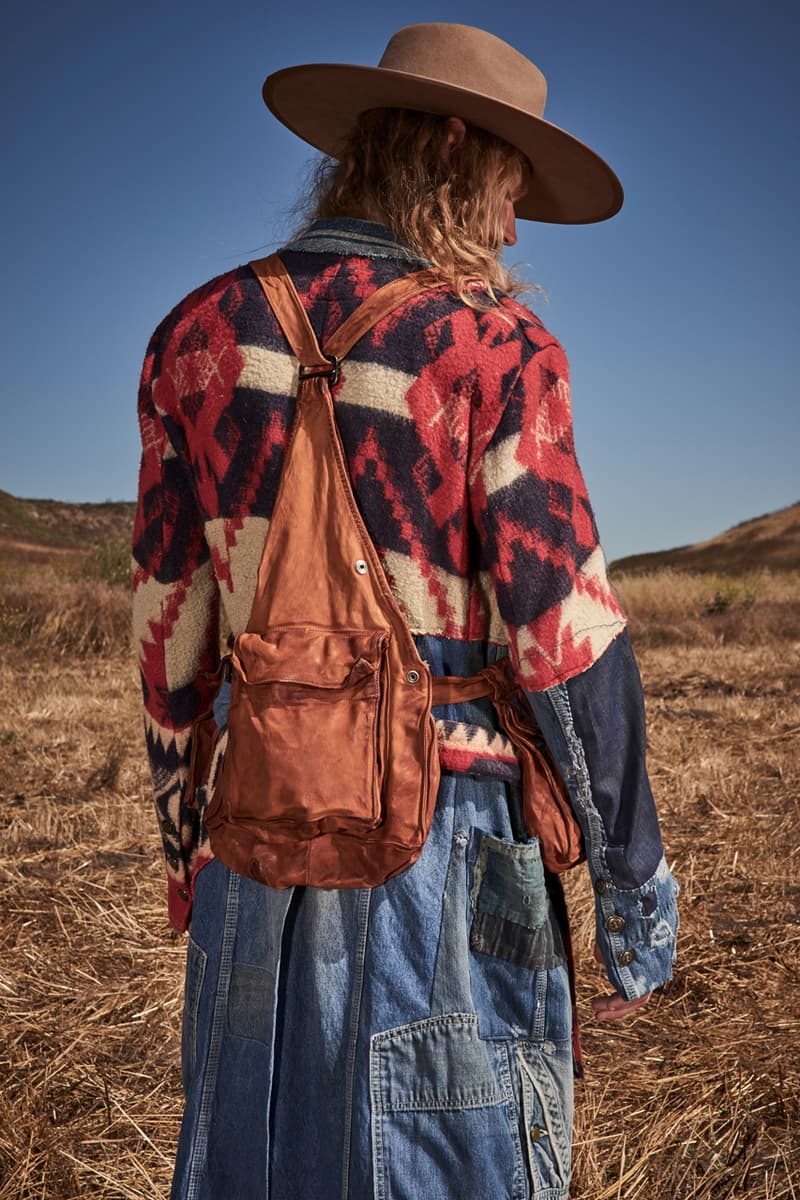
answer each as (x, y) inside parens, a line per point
(454, 70)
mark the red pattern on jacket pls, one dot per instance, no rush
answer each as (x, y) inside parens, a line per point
(458, 432)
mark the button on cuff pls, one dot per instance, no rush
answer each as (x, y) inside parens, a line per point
(639, 954)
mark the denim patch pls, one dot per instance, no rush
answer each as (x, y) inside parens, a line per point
(511, 913)
(509, 882)
(196, 959)
(661, 934)
(250, 1003)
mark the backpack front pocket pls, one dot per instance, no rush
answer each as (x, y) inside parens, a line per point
(305, 725)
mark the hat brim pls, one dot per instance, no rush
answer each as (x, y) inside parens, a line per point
(320, 102)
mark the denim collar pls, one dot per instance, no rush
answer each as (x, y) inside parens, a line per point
(348, 235)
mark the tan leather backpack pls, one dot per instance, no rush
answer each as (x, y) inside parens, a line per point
(330, 772)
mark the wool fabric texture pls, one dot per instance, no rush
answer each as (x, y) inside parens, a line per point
(457, 429)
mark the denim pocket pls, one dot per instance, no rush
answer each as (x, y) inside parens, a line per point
(545, 1086)
(444, 1121)
(511, 909)
(196, 959)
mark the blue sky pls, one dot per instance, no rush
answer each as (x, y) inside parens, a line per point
(140, 161)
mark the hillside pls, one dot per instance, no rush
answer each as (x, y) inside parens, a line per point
(771, 541)
(39, 528)
(33, 529)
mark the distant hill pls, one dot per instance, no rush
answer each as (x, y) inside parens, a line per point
(34, 529)
(771, 541)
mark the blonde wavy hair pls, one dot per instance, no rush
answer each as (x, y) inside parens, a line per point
(395, 168)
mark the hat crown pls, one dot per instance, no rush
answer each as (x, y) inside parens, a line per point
(464, 57)
(454, 71)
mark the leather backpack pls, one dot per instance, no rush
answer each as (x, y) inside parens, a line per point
(329, 771)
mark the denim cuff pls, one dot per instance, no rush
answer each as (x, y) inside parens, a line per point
(636, 926)
(637, 931)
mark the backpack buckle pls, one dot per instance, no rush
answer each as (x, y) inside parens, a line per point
(331, 373)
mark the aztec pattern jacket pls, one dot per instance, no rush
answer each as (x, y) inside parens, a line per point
(457, 428)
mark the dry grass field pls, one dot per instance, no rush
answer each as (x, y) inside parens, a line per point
(697, 1098)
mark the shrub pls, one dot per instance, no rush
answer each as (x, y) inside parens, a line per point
(109, 562)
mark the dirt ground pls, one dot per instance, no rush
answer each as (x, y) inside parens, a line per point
(698, 1096)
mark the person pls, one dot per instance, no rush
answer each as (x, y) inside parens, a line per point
(413, 1039)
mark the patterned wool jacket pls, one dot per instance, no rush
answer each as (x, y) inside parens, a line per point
(457, 428)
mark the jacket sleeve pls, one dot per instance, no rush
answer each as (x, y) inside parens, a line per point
(594, 723)
(175, 618)
(535, 526)
(567, 642)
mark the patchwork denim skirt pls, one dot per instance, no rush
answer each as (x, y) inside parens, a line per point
(406, 1042)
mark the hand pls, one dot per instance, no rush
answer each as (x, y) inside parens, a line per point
(611, 1008)
(615, 1006)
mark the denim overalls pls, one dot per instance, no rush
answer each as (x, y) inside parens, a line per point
(409, 1042)
(413, 1041)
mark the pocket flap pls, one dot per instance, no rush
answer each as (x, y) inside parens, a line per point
(306, 654)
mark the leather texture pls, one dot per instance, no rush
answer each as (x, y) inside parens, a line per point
(545, 801)
(331, 769)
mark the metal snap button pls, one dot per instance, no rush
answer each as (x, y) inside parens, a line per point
(413, 676)
(602, 887)
(536, 1133)
(361, 566)
(626, 958)
(615, 924)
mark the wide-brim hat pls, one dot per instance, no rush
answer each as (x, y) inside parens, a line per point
(454, 70)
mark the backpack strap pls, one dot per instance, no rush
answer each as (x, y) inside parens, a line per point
(292, 317)
(377, 306)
